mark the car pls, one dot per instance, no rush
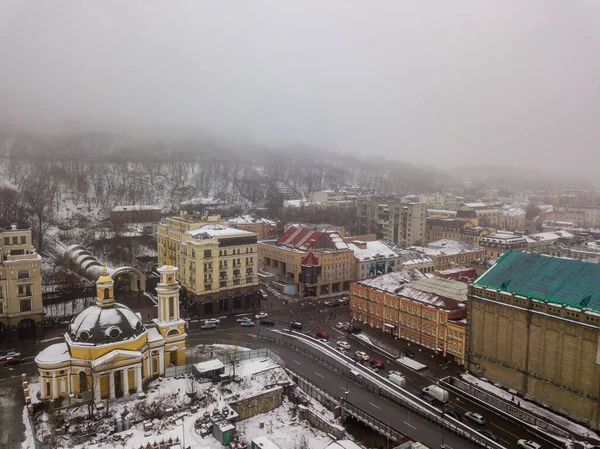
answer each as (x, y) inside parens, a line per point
(13, 361)
(247, 323)
(360, 355)
(321, 334)
(343, 344)
(475, 417)
(489, 434)
(8, 354)
(428, 399)
(335, 303)
(453, 414)
(345, 301)
(352, 328)
(323, 340)
(296, 325)
(242, 319)
(208, 326)
(212, 320)
(407, 353)
(262, 294)
(267, 322)
(342, 325)
(528, 444)
(261, 315)
(376, 363)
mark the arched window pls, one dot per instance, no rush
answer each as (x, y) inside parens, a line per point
(83, 386)
(106, 293)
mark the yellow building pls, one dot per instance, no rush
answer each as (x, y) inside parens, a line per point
(448, 254)
(310, 262)
(20, 285)
(263, 227)
(218, 265)
(108, 352)
(495, 245)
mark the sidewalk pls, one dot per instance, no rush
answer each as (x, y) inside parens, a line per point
(437, 365)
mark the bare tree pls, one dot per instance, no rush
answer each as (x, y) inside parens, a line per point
(38, 193)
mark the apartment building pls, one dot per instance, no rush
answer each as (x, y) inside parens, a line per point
(429, 312)
(21, 310)
(448, 253)
(514, 218)
(217, 264)
(534, 326)
(494, 245)
(309, 262)
(262, 227)
(397, 222)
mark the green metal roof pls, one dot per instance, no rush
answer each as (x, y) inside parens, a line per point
(562, 281)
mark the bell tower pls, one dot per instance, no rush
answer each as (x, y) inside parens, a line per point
(105, 290)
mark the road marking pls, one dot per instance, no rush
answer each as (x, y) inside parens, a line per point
(374, 406)
(320, 375)
(296, 361)
(504, 430)
(409, 425)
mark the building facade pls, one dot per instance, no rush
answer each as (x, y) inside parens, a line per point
(373, 258)
(406, 305)
(21, 310)
(262, 227)
(534, 326)
(218, 265)
(309, 262)
(448, 254)
(494, 245)
(108, 352)
(444, 228)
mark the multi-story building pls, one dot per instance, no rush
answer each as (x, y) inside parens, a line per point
(494, 245)
(309, 262)
(534, 326)
(444, 228)
(262, 227)
(577, 216)
(392, 220)
(21, 308)
(450, 253)
(421, 310)
(591, 217)
(514, 218)
(542, 242)
(374, 258)
(217, 264)
(410, 259)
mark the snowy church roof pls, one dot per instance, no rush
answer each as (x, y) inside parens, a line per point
(101, 325)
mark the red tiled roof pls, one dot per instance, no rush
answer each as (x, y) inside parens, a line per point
(310, 260)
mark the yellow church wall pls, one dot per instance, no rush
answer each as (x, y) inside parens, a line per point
(104, 386)
(94, 352)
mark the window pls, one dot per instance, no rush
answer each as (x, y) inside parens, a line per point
(1, 306)
(23, 274)
(6, 241)
(25, 305)
(24, 290)
(154, 364)
(23, 240)
(15, 240)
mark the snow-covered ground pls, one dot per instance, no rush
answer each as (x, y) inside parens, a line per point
(364, 338)
(560, 421)
(407, 361)
(256, 375)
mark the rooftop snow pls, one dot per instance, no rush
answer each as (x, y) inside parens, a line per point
(250, 219)
(209, 365)
(215, 230)
(305, 239)
(392, 282)
(133, 208)
(54, 354)
(449, 288)
(373, 251)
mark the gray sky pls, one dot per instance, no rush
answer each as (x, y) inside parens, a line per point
(437, 82)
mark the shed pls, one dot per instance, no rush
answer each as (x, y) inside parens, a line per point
(209, 369)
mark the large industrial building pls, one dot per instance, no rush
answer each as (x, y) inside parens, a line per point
(534, 326)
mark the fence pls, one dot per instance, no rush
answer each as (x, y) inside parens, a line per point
(428, 412)
(506, 407)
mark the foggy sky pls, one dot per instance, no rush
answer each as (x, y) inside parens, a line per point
(444, 83)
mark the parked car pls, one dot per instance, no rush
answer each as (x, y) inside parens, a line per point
(267, 322)
(262, 294)
(407, 353)
(323, 340)
(453, 414)
(208, 326)
(242, 319)
(345, 301)
(489, 434)
(343, 344)
(376, 363)
(428, 399)
(296, 325)
(341, 350)
(247, 323)
(261, 315)
(475, 417)
(342, 325)
(322, 334)
(360, 355)
(212, 320)
(335, 303)
(528, 444)
(13, 361)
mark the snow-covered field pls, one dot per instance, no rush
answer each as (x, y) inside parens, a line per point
(257, 375)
